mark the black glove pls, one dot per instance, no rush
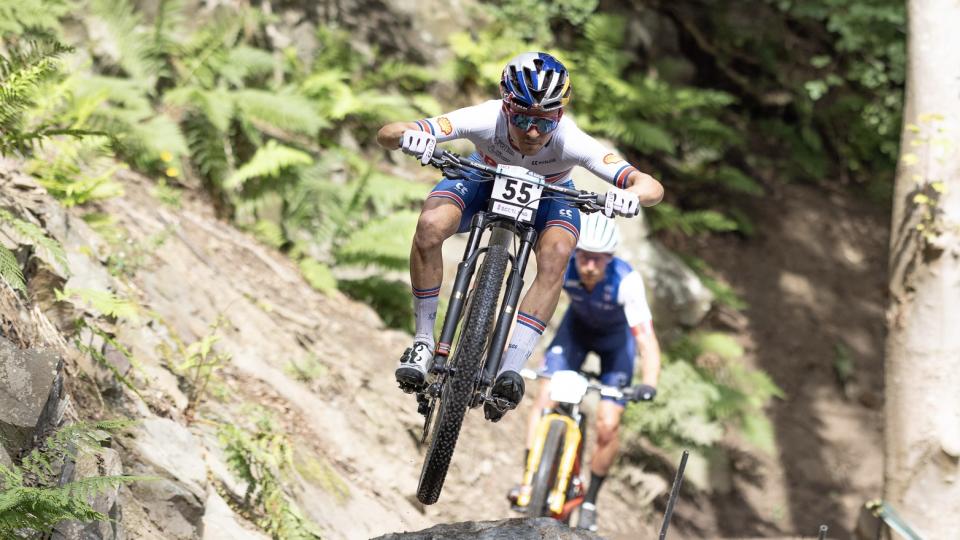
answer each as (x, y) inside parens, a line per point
(643, 392)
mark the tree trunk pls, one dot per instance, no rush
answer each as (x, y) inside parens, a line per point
(922, 411)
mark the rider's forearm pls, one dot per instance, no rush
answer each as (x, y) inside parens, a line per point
(649, 349)
(647, 188)
(389, 135)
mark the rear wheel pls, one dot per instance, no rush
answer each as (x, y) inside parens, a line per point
(457, 392)
(546, 475)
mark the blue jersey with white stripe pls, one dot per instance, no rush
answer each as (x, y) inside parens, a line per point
(616, 303)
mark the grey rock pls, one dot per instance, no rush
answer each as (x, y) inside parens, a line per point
(220, 523)
(88, 465)
(171, 507)
(167, 446)
(506, 529)
(31, 388)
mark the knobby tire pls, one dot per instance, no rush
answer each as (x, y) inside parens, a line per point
(467, 359)
(546, 474)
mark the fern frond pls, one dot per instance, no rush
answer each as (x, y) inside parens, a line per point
(10, 270)
(126, 27)
(31, 234)
(284, 110)
(318, 275)
(245, 62)
(384, 242)
(22, 74)
(103, 302)
(268, 162)
(39, 17)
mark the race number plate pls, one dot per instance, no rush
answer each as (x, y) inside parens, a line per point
(514, 198)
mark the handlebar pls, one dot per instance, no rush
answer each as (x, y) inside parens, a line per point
(453, 166)
(628, 393)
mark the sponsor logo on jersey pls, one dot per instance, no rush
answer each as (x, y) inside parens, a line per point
(544, 162)
(612, 158)
(445, 126)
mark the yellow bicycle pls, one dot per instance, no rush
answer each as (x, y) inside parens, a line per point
(553, 465)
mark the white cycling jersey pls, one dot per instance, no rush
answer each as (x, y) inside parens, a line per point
(485, 125)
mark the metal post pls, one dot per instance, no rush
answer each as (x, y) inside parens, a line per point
(674, 493)
(823, 533)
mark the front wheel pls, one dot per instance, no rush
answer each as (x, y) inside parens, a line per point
(546, 475)
(457, 392)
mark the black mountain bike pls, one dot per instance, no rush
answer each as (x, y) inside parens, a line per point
(462, 380)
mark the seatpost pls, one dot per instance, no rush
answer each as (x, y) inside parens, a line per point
(528, 237)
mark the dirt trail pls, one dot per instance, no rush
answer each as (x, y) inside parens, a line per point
(814, 278)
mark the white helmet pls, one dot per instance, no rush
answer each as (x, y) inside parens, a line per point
(598, 234)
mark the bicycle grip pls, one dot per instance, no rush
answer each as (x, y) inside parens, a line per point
(602, 200)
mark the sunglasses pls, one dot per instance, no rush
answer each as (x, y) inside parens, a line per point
(588, 256)
(526, 121)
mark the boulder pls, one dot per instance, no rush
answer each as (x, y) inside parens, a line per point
(106, 462)
(31, 395)
(220, 523)
(505, 529)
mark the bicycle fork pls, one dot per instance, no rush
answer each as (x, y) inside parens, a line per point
(458, 297)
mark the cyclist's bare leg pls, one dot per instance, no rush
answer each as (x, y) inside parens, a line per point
(608, 440)
(438, 221)
(553, 254)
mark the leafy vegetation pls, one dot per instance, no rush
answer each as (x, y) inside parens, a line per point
(263, 459)
(32, 498)
(707, 389)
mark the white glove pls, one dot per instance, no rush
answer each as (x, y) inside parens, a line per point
(621, 202)
(418, 143)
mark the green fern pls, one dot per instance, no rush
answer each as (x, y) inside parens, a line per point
(263, 459)
(135, 47)
(285, 110)
(39, 17)
(23, 73)
(384, 242)
(666, 216)
(103, 302)
(318, 275)
(27, 232)
(10, 270)
(268, 162)
(65, 171)
(31, 498)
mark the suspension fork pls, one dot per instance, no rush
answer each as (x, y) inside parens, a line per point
(461, 285)
(528, 237)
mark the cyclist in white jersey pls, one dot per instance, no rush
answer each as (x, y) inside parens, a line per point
(526, 127)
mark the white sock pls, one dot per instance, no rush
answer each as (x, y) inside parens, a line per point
(526, 333)
(425, 303)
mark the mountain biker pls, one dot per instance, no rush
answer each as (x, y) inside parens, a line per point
(526, 127)
(608, 315)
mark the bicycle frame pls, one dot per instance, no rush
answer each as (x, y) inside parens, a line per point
(503, 230)
(563, 498)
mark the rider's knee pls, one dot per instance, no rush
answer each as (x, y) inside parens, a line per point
(607, 430)
(554, 256)
(432, 230)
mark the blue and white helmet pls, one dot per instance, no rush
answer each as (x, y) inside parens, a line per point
(535, 80)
